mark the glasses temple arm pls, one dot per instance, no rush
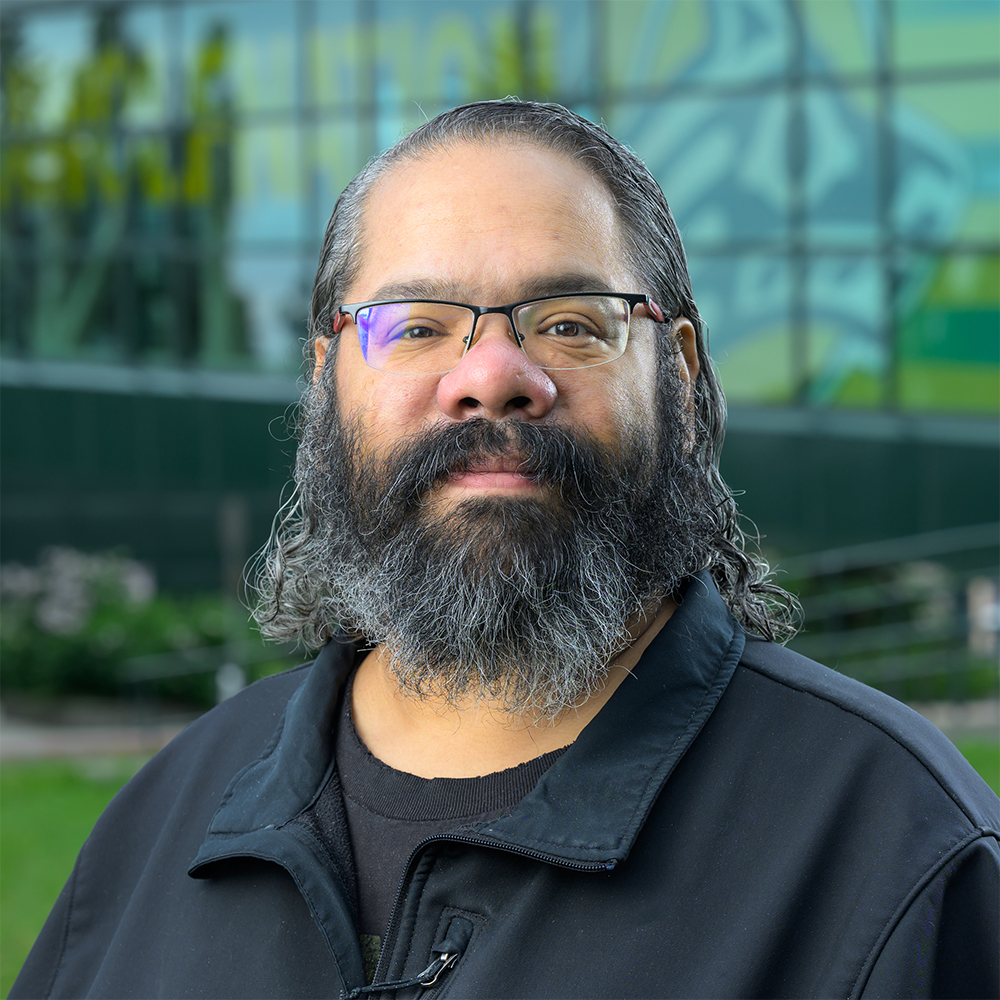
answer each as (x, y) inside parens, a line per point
(655, 311)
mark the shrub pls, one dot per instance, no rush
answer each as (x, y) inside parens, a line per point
(71, 624)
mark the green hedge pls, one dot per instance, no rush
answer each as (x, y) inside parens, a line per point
(70, 626)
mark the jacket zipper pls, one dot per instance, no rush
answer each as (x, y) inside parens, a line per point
(448, 951)
(392, 929)
(426, 978)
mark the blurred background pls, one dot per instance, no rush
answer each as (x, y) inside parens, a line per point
(168, 169)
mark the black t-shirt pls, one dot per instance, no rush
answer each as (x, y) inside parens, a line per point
(389, 812)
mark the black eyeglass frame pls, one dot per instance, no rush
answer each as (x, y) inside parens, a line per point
(633, 299)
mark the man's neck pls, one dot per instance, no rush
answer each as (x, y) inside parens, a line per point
(432, 739)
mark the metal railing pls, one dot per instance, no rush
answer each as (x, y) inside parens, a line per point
(917, 616)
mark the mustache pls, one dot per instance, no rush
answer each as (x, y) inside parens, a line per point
(574, 463)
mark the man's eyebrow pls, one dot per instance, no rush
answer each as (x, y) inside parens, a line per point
(557, 284)
(565, 283)
(420, 289)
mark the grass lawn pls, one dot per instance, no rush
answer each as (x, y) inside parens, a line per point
(48, 807)
(984, 756)
(46, 811)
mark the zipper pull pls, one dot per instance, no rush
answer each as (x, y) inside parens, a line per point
(448, 951)
(432, 973)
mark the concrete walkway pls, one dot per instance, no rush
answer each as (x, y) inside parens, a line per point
(22, 739)
(28, 739)
(31, 741)
(964, 719)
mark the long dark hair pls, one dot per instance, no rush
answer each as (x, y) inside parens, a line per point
(654, 251)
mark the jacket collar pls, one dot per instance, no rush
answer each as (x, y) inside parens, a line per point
(622, 759)
(294, 767)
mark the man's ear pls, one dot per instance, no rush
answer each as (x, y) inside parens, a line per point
(319, 352)
(688, 365)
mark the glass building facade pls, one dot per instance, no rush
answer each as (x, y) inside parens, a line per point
(834, 167)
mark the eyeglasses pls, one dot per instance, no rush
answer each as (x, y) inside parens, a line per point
(430, 337)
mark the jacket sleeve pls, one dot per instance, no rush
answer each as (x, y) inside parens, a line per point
(947, 942)
(38, 974)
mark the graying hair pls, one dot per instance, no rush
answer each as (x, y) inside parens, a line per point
(655, 254)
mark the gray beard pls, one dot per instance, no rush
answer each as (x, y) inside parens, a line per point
(520, 602)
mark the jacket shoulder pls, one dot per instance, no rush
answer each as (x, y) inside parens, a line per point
(148, 835)
(241, 727)
(883, 719)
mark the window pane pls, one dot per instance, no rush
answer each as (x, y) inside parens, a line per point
(93, 186)
(132, 302)
(334, 50)
(336, 158)
(949, 334)
(652, 42)
(85, 68)
(274, 292)
(722, 163)
(841, 167)
(80, 240)
(841, 36)
(744, 301)
(240, 55)
(948, 160)
(268, 203)
(847, 355)
(145, 29)
(124, 256)
(438, 51)
(42, 56)
(453, 51)
(945, 33)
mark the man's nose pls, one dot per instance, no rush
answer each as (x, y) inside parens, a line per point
(495, 379)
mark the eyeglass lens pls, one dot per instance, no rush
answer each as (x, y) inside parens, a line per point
(430, 337)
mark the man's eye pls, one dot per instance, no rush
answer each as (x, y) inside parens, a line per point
(568, 328)
(420, 333)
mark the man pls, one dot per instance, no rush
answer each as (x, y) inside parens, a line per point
(547, 748)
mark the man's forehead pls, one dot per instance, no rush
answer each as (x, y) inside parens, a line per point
(510, 289)
(489, 224)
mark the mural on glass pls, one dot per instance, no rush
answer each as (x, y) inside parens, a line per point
(834, 168)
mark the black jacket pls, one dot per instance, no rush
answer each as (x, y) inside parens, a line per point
(737, 822)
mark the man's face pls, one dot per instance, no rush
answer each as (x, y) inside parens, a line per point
(498, 526)
(492, 225)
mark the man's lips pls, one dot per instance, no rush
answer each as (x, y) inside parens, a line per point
(502, 463)
(503, 473)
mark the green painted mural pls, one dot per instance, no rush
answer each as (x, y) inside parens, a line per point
(168, 169)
